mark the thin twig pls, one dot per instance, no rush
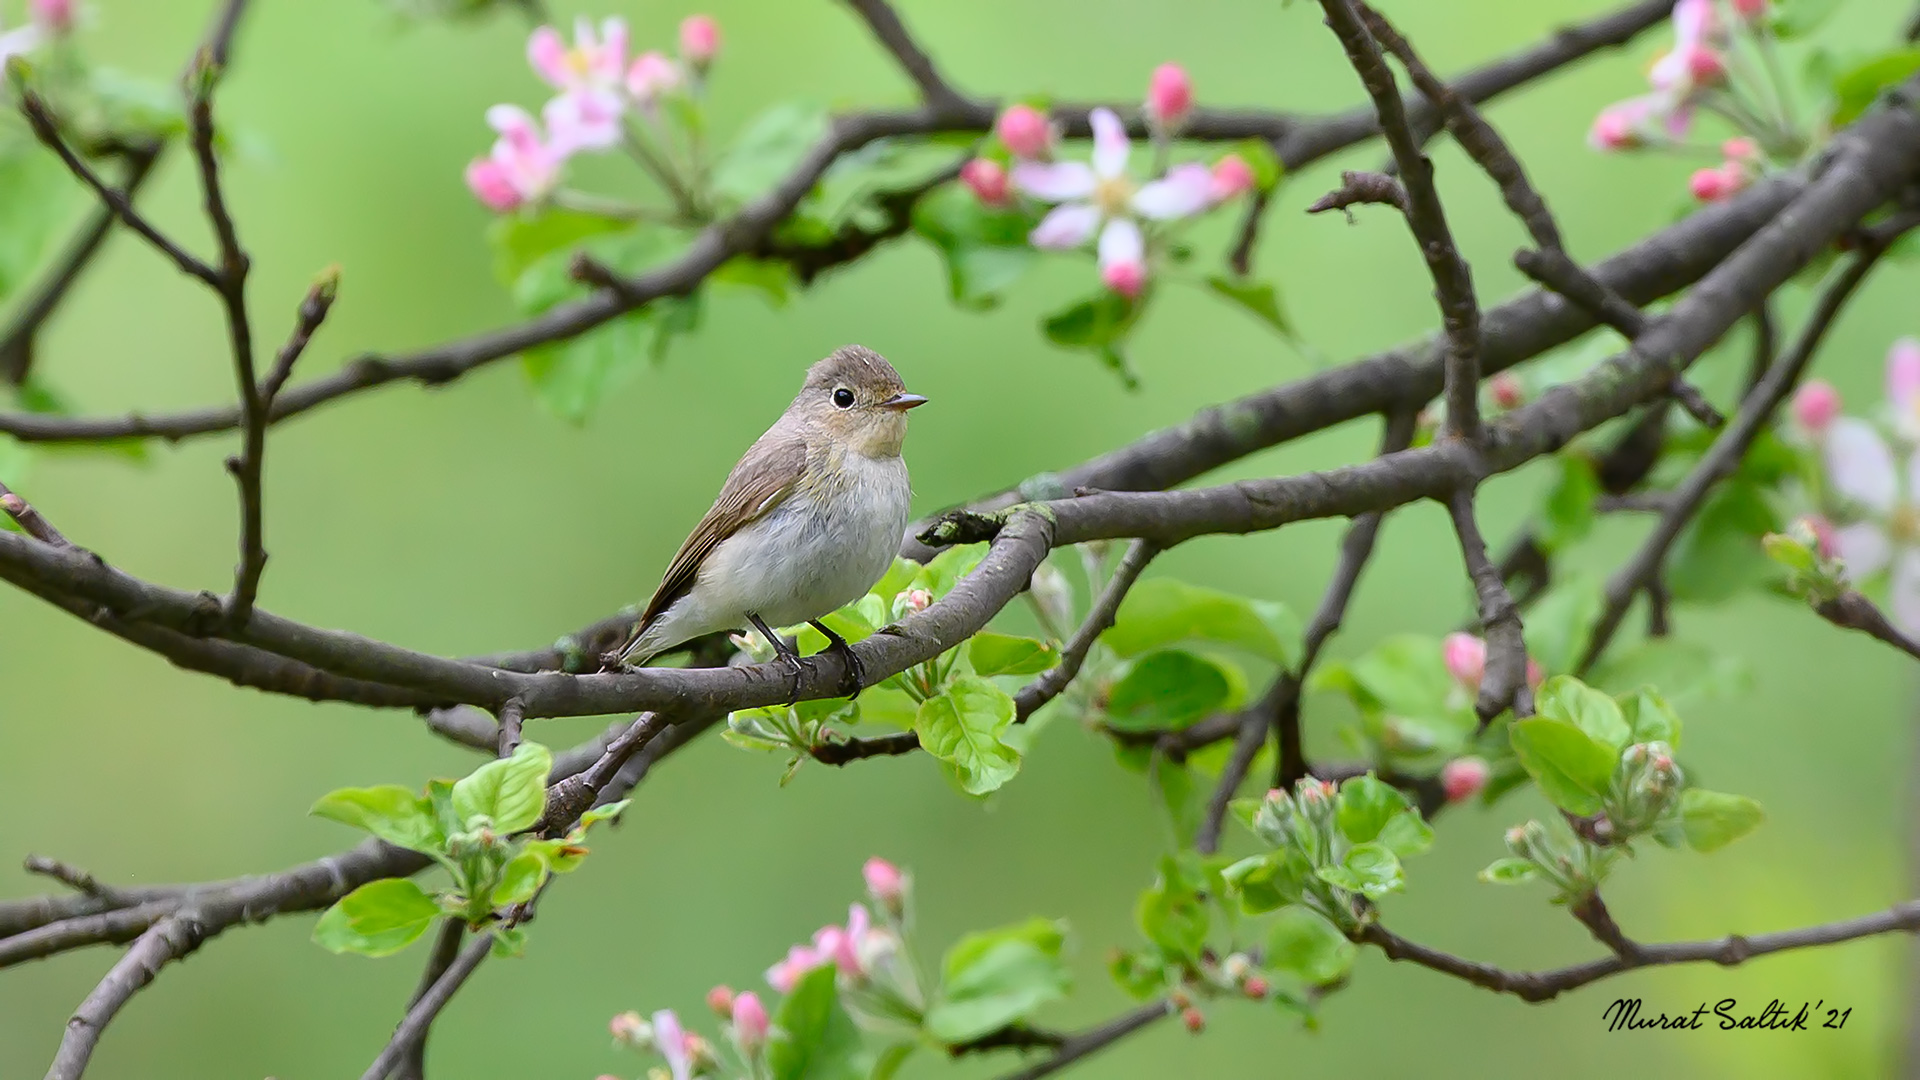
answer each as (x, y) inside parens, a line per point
(512, 713)
(887, 28)
(1721, 460)
(1852, 611)
(31, 521)
(1050, 683)
(446, 949)
(1504, 683)
(1083, 1044)
(1452, 279)
(427, 1006)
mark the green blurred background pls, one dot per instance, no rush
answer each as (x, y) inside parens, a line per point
(466, 519)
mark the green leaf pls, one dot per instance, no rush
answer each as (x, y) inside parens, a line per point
(1172, 914)
(1005, 654)
(1169, 689)
(1651, 718)
(1719, 554)
(773, 280)
(508, 942)
(561, 855)
(1856, 88)
(1268, 169)
(377, 919)
(1405, 675)
(522, 239)
(511, 793)
(962, 726)
(1163, 612)
(1364, 806)
(768, 149)
(35, 193)
(1370, 869)
(1713, 820)
(1259, 298)
(1560, 625)
(390, 812)
(1509, 871)
(609, 812)
(1564, 697)
(996, 977)
(891, 1059)
(945, 570)
(1304, 943)
(1093, 323)
(985, 248)
(1566, 515)
(571, 377)
(1791, 19)
(1571, 767)
(813, 1037)
(1407, 834)
(520, 879)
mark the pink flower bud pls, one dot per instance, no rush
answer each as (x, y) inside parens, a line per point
(699, 40)
(1126, 278)
(631, 1029)
(55, 16)
(987, 180)
(1750, 10)
(1824, 537)
(1463, 778)
(491, 184)
(1466, 658)
(1231, 176)
(1024, 131)
(749, 1022)
(1256, 988)
(885, 882)
(1815, 405)
(1740, 148)
(1705, 66)
(1169, 96)
(1535, 674)
(1903, 374)
(919, 599)
(720, 1000)
(1506, 391)
(1195, 1022)
(1713, 185)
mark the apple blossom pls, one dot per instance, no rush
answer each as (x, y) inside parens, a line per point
(55, 16)
(1466, 657)
(1169, 96)
(699, 40)
(651, 76)
(1815, 405)
(1463, 778)
(749, 1022)
(1024, 131)
(987, 180)
(1231, 176)
(522, 167)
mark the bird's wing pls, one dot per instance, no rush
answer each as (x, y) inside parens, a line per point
(764, 478)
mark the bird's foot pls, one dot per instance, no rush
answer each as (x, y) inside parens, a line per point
(797, 669)
(855, 678)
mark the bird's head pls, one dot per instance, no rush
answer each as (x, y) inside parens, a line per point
(855, 398)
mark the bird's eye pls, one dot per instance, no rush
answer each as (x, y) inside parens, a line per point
(843, 398)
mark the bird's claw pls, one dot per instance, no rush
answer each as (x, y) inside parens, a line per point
(798, 670)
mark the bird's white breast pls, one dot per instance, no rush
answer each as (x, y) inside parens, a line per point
(822, 548)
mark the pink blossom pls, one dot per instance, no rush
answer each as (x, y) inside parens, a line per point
(1231, 176)
(1903, 387)
(1169, 96)
(987, 180)
(594, 63)
(749, 1022)
(1715, 184)
(1824, 537)
(55, 16)
(1463, 778)
(1024, 131)
(1506, 390)
(1884, 491)
(1815, 405)
(629, 1029)
(1626, 125)
(671, 1040)
(699, 40)
(520, 168)
(720, 999)
(651, 76)
(1535, 674)
(1098, 198)
(1466, 657)
(1740, 148)
(885, 883)
(589, 120)
(831, 945)
(1750, 10)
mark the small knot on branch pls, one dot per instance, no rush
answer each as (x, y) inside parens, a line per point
(962, 527)
(1362, 187)
(588, 270)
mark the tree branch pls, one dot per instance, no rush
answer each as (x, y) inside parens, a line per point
(1086, 1043)
(426, 1007)
(887, 28)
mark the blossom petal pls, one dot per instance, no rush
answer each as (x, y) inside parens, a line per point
(1905, 593)
(1055, 182)
(611, 56)
(1110, 145)
(1066, 226)
(1863, 547)
(671, 1040)
(1859, 464)
(513, 122)
(585, 120)
(1121, 244)
(1184, 191)
(548, 55)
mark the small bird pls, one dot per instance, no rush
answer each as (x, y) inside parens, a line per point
(807, 521)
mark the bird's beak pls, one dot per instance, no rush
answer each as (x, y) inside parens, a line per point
(903, 402)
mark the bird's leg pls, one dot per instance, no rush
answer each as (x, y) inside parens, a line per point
(788, 654)
(856, 677)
